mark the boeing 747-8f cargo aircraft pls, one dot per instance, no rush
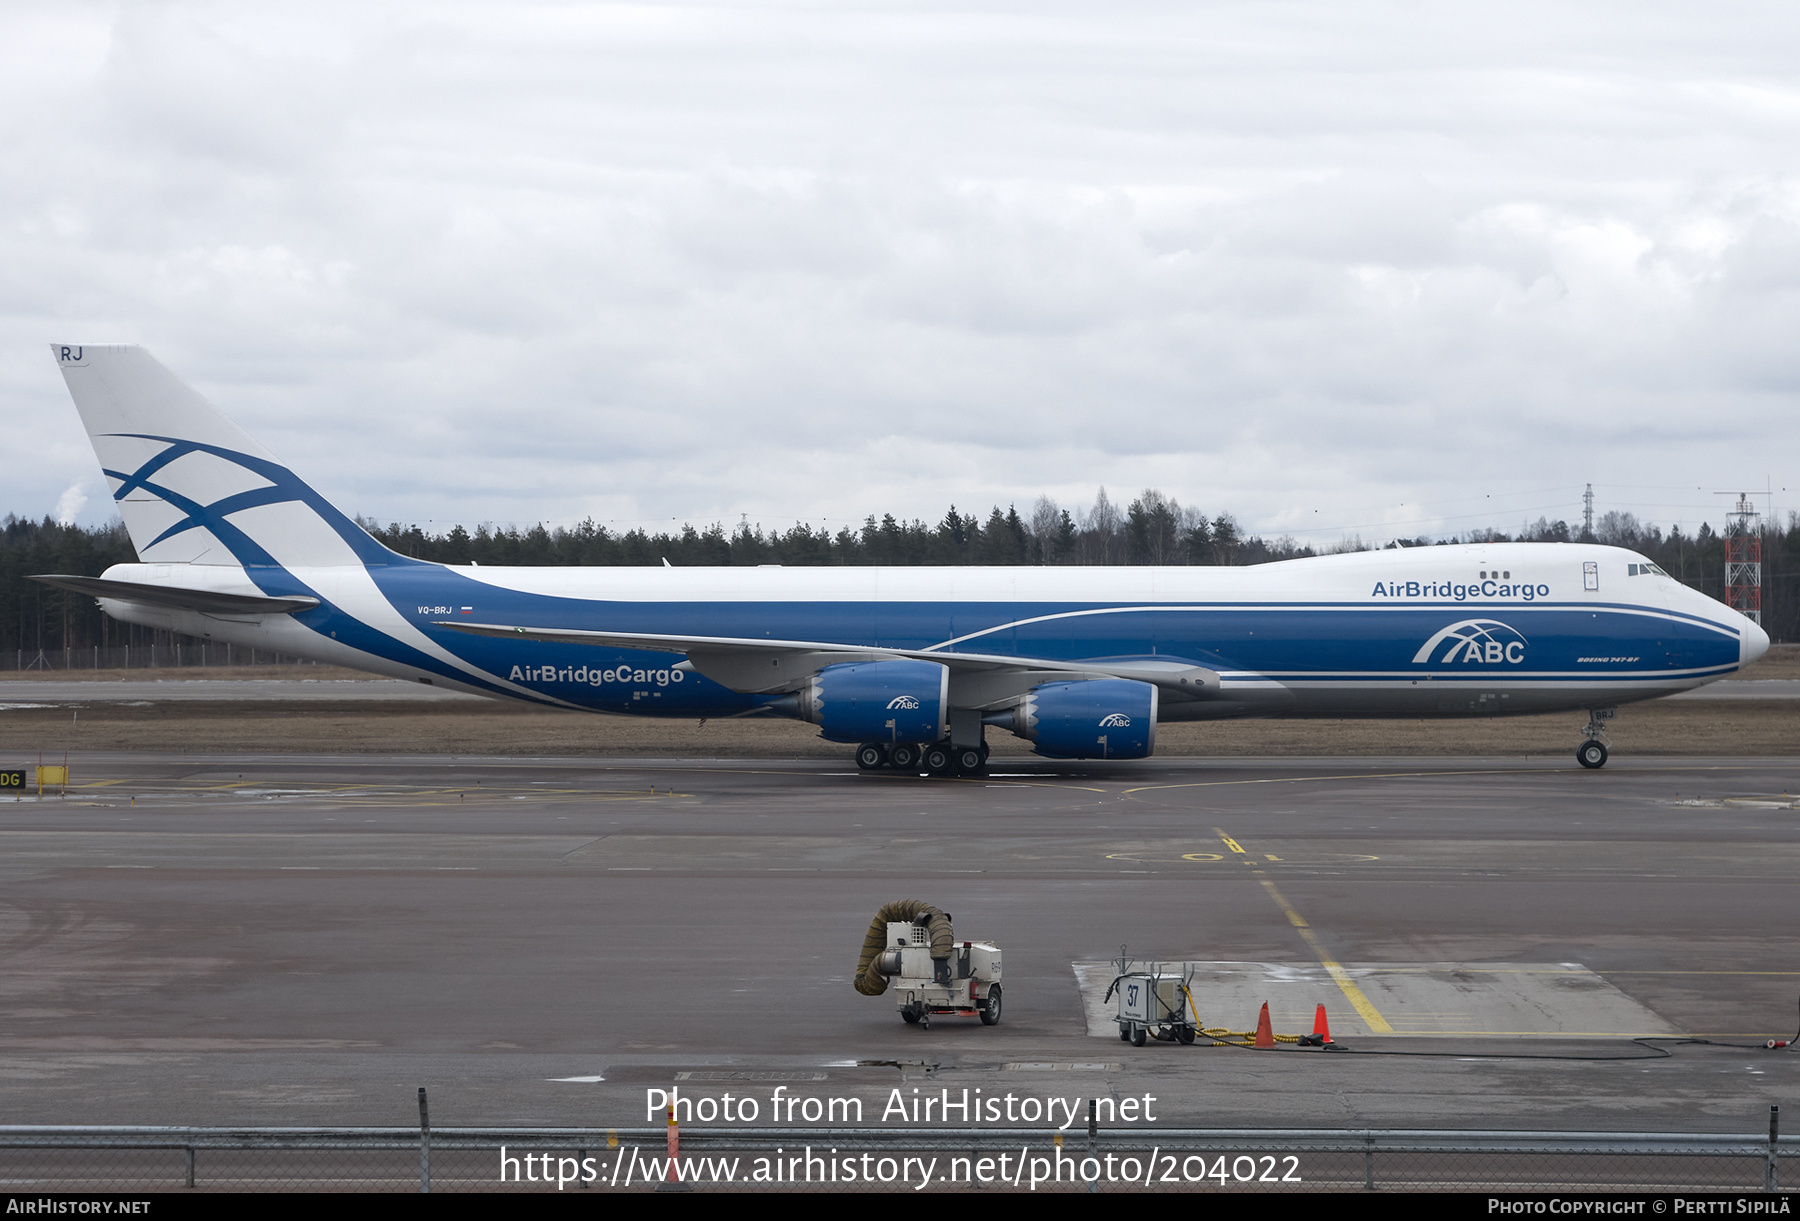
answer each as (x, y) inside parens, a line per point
(912, 665)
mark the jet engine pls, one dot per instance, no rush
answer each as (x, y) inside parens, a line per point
(1102, 718)
(877, 701)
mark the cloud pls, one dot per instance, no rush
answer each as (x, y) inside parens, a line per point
(69, 504)
(1309, 262)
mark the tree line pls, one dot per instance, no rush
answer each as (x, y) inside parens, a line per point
(1151, 529)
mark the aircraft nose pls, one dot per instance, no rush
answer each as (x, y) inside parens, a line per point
(1755, 643)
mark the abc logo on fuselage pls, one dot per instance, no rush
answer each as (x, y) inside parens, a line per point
(1473, 642)
(904, 702)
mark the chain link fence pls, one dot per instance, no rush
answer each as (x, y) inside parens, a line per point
(184, 653)
(60, 1160)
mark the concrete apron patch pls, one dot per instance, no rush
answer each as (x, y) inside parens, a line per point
(1482, 1000)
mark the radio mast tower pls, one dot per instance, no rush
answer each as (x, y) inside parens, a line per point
(1587, 515)
(1743, 559)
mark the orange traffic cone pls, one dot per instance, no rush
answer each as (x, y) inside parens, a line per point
(1265, 1035)
(1321, 1028)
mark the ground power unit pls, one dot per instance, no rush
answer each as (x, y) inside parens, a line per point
(912, 947)
(966, 984)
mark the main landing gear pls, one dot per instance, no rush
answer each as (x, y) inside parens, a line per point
(938, 758)
(1592, 753)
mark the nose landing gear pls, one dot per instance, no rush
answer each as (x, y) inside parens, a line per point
(1592, 753)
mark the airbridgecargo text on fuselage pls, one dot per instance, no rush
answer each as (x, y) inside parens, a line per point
(594, 676)
(1459, 592)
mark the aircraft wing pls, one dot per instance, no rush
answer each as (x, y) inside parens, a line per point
(765, 666)
(206, 601)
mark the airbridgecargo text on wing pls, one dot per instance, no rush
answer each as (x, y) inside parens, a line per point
(594, 676)
(1458, 591)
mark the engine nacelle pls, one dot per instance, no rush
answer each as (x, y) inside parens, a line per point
(878, 701)
(1102, 718)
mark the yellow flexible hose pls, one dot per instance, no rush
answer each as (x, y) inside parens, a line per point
(1222, 1035)
(867, 979)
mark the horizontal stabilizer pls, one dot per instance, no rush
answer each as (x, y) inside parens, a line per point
(206, 601)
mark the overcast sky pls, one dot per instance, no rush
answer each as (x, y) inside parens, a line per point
(1337, 268)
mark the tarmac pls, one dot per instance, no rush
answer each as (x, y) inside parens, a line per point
(267, 940)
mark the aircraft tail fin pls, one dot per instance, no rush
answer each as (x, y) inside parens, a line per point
(193, 487)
